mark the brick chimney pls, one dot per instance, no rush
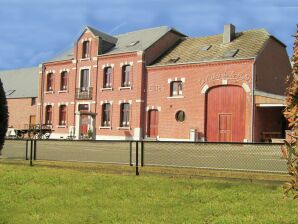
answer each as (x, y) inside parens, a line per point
(229, 33)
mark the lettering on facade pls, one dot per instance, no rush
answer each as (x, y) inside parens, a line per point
(214, 77)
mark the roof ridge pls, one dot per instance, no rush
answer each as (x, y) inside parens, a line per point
(239, 32)
(152, 28)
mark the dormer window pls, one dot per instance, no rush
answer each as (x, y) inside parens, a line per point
(173, 60)
(133, 43)
(86, 49)
(231, 54)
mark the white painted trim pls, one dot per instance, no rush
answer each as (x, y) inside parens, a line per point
(270, 105)
(204, 89)
(139, 101)
(246, 87)
(224, 82)
(175, 97)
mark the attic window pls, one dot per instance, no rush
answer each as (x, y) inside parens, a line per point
(230, 54)
(9, 92)
(206, 48)
(133, 43)
(173, 60)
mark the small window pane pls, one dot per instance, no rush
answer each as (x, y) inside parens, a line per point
(180, 116)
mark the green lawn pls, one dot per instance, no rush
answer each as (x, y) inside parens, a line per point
(53, 195)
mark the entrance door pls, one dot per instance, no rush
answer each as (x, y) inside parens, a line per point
(84, 125)
(225, 127)
(32, 121)
(153, 123)
(225, 114)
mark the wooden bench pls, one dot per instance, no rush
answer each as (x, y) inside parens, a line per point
(267, 136)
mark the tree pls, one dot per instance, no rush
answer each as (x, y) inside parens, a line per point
(290, 150)
(3, 116)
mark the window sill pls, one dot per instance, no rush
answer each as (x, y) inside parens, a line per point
(124, 128)
(61, 126)
(62, 91)
(124, 87)
(107, 89)
(175, 97)
(49, 92)
(85, 59)
(105, 127)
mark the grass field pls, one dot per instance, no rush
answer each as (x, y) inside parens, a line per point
(41, 194)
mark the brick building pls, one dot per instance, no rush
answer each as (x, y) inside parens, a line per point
(160, 84)
(21, 88)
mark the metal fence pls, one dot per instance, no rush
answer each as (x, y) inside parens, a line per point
(222, 156)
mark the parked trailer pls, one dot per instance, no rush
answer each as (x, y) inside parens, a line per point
(35, 131)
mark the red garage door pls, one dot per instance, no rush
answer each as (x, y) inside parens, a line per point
(225, 114)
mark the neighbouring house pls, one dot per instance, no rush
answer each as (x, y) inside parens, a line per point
(21, 89)
(160, 84)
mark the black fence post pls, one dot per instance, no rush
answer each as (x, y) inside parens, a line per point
(137, 158)
(130, 153)
(31, 149)
(34, 149)
(26, 156)
(142, 153)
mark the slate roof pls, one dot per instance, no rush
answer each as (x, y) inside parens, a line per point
(145, 38)
(20, 83)
(247, 44)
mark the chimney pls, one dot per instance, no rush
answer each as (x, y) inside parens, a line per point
(229, 33)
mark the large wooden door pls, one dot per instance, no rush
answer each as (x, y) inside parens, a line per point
(225, 114)
(153, 123)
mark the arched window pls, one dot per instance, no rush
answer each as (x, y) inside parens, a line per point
(126, 73)
(176, 88)
(107, 77)
(106, 115)
(86, 49)
(63, 81)
(50, 82)
(48, 115)
(62, 115)
(124, 115)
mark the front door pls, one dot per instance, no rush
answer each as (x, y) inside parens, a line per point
(225, 127)
(32, 121)
(84, 125)
(153, 123)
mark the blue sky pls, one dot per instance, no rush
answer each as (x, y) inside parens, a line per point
(36, 30)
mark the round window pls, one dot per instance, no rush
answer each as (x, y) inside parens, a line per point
(180, 116)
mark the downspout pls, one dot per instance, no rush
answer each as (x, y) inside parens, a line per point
(253, 100)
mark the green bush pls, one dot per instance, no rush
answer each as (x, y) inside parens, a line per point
(3, 116)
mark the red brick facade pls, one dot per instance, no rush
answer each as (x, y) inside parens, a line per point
(150, 89)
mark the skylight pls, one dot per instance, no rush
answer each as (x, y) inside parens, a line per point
(173, 60)
(133, 43)
(230, 54)
(205, 48)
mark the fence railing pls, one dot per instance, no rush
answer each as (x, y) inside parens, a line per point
(217, 156)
